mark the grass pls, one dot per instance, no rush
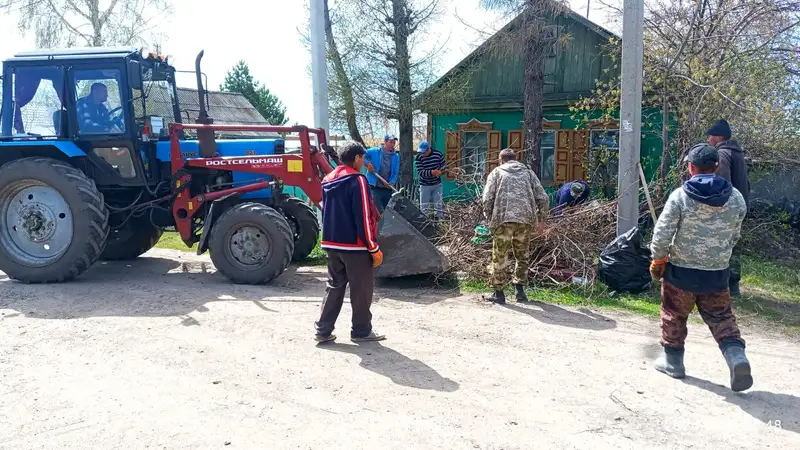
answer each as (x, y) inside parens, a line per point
(771, 292)
(172, 240)
(646, 303)
(771, 296)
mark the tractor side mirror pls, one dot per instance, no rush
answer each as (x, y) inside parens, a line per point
(135, 75)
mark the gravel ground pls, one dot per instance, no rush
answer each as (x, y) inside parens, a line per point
(163, 353)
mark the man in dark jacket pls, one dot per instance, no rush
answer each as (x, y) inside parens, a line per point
(349, 233)
(733, 168)
(572, 194)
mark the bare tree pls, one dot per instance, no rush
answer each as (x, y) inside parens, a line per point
(87, 22)
(706, 60)
(389, 57)
(340, 79)
(534, 35)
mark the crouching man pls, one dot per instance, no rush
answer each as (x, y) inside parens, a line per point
(691, 247)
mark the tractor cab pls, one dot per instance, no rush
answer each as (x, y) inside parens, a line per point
(109, 105)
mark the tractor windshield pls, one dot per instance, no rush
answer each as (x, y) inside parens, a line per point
(157, 97)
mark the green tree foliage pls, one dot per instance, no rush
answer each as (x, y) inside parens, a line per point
(266, 103)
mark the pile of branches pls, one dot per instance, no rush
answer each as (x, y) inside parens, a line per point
(567, 246)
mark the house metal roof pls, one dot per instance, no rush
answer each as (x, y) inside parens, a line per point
(226, 108)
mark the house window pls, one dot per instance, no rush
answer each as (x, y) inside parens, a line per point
(604, 160)
(548, 167)
(474, 148)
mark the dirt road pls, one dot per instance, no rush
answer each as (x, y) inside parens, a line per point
(157, 354)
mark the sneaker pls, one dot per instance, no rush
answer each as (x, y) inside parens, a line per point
(371, 337)
(321, 339)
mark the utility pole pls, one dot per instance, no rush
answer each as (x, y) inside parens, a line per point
(319, 66)
(630, 127)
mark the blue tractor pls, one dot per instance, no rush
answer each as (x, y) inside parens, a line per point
(92, 167)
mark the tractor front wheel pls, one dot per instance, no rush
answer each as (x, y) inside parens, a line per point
(251, 244)
(53, 221)
(304, 224)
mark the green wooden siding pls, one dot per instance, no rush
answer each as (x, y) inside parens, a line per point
(495, 77)
(510, 120)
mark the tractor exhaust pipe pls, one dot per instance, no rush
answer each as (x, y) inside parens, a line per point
(205, 137)
(201, 91)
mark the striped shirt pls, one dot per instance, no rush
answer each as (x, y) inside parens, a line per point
(427, 164)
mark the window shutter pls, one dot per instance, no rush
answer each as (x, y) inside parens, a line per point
(516, 142)
(563, 162)
(452, 153)
(580, 143)
(493, 154)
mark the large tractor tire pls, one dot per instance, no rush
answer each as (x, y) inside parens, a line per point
(132, 240)
(53, 221)
(304, 224)
(251, 244)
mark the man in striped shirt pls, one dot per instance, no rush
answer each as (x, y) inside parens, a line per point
(430, 164)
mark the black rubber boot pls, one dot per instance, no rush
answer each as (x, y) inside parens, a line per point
(734, 288)
(741, 379)
(671, 362)
(498, 297)
(520, 293)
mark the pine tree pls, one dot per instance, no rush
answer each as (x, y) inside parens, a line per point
(266, 103)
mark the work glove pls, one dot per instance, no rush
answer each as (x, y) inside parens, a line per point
(370, 167)
(657, 269)
(436, 173)
(377, 259)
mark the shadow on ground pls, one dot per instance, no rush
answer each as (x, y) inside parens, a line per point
(778, 410)
(147, 287)
(394, 365)
(420, 289)
(555, 315)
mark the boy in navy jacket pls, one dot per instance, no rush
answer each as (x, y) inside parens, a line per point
(349, 237)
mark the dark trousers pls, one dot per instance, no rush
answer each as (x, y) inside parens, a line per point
(381, 197)
(715, 309)
(354, 268)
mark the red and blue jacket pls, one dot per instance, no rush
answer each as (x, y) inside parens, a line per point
(349, 216)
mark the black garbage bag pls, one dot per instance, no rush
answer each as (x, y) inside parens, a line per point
(625, 264)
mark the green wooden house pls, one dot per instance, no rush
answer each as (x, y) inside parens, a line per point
(487, 114)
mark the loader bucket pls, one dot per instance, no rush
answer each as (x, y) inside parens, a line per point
(404, 235)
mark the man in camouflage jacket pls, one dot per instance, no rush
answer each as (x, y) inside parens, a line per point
(691, 248)
(514, 201)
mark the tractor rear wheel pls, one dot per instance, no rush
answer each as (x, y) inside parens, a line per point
(251, 243)
(53, 221)
(304, 224)
(136, 237)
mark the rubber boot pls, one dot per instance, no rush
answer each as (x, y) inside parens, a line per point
(670, 362)
(498, 297)
(520, 293)
(741, 379)
(734, 288)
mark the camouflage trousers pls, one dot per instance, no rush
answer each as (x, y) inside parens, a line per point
(736, 263)
(514, 238)
(715, 309)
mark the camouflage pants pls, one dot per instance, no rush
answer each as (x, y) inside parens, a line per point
(513, 237)
(715, 309)
(736, 263)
